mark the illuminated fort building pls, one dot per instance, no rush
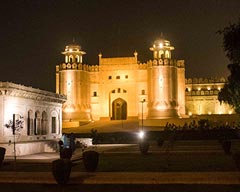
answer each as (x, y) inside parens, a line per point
(124, 88)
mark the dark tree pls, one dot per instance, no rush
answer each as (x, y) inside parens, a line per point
(231, 42)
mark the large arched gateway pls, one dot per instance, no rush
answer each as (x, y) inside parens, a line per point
(119, 109)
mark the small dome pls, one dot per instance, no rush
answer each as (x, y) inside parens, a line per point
(161, 43)
(73, 48)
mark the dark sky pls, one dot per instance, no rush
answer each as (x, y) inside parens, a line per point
(33, 33)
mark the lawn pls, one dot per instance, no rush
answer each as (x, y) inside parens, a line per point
(181, 156)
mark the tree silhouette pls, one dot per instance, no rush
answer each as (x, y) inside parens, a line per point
(230, 93)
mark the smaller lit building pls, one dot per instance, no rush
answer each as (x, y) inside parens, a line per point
(202, 97)
(38, 119)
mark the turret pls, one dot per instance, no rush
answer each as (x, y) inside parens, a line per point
(71, 80)
(162, 82)
(73, 54)
(161, 49)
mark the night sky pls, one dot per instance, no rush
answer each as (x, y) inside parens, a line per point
(33, 34)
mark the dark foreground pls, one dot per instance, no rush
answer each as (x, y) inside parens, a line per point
(117, 188)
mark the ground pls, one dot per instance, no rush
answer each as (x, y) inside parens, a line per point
(182, 166)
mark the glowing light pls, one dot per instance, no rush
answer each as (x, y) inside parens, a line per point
(141, 134)
(161, 107)
(230, 112)
(209, 113)
(219, 88)
(190, 113)
(160, 45)
(208, 88)
(199, 88)
(70, 50)
(161, 81)
(220, 112)
(189, 89)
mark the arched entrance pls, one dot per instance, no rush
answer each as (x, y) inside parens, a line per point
(119, 109)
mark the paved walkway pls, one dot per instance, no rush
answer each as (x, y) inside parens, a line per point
(125, 178)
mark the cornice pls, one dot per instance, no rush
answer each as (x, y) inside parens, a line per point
(16, 90)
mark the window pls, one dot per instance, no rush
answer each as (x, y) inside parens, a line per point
(95, 93)
(70, 59)
(119, 90)
(126, 76)
(118, 77)
(109, 77)
(66, 59)
(37, 123)
(143, 92)
(54, 125)
(44, 123)
(77, 59)
(30, 128)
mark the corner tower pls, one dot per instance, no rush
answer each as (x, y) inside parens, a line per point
(72, 80)
(165, 82)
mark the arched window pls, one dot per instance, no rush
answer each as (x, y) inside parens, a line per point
(66, 59)
(167, 54)
(77, 59)
(55, 122)
(37, 123)
(30, 127)
(70, 59)
(44, 123)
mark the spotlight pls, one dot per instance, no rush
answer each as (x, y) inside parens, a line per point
(141, 134)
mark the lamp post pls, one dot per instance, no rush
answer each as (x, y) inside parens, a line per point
(142, 112)
(14, 141)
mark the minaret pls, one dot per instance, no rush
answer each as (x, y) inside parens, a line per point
(72, 81)
(162, 82)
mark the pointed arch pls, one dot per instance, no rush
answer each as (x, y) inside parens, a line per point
(70, 59)
(119, 109)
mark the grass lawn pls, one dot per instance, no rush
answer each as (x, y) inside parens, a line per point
(134, 162)
(184, 156)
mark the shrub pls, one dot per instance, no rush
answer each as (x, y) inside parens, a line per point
(160, 142)
(90, 160)
(144, 146)
(2, 154)
(236, 158)
(65, 153)
(226, 145)
(61, 169)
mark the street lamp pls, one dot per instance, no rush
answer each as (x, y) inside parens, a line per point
(142, 112)
(141, 133)
(14, 140)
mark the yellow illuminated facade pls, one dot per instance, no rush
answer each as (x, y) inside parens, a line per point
(123, 88)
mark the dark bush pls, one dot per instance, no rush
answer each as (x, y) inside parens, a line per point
(2, 154)
(65, 153)
(226, 145)
(160, 142)
(236, 158)
(90, 160)
(144, 146)
(61, 170)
